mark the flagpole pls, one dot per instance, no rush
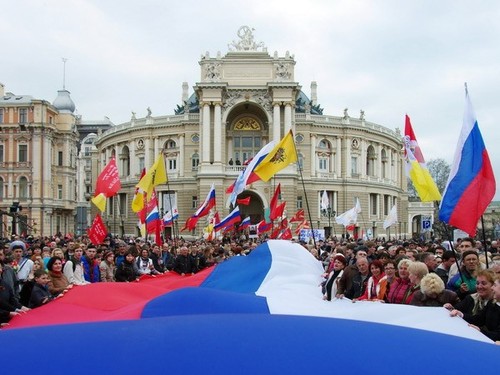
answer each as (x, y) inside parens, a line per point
(484, 242)
(305, 195)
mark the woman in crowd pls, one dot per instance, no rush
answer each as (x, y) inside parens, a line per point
(25, 293)
(400, 286)
(127, 271)
(107, 267)
(464, 282)
(330, 289)
(416, 271)
(433, 293)
(472, 304)
(58, 283)
(375, 290)
(9, 305)
(487, 321)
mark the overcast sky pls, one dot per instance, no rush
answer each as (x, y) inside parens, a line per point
(387, 57)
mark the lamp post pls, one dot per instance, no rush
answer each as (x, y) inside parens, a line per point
(374, 226)
(329, 213)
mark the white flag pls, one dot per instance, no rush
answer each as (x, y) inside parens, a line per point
(349, 217)
(325, 202)
(392, 218)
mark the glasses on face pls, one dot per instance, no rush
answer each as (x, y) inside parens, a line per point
(389, 268)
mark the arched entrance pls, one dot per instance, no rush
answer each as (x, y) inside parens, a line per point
(255, 209)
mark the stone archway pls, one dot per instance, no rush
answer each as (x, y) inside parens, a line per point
(255, 209)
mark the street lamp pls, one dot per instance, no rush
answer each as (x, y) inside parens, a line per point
(374, 226)
(329, 213)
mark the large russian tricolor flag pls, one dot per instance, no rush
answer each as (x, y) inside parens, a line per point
(257, 314)
(471, 185)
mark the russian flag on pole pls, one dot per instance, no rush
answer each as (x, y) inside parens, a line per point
(207, 205)
(229, 221)
(471, 185)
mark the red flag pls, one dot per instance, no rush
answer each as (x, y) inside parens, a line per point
(299, 216)
(264, 227)
(286, 234)
(97, 232)
(275, 233)
(277, 211)
(284, 223)
(244, 201)
(303, 225)
(350, 227)
(108, 184)
(190, 224)
(274, 200)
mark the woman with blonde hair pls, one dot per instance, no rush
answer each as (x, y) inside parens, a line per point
(433, 293)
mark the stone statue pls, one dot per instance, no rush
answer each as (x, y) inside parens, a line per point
(149, 112)
(246, 42)
(133, 116)
(362, 115)
(346, 115)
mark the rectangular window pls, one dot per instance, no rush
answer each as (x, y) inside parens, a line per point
(60, 158)
(1, 115)
(122, 204)
(387, 204)
(1, 153)
(141, 164)
(323, 164)
(172, 164)
(23, 153)
(23, 115)
(59, 192)
(51, 120)
(299, 202)
(373, 204)
(87, 151)
(257, 142)
(194, 202)
(354, 165)
(247, 142)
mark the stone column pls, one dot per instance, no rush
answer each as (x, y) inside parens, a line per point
(313, 155)
(363, 172)
(147, 153)
(276, 122)
(181, 155)
(288, 118)
(217, 133)
(338, 157)
(229, 149)
(348, 157)
(205, 139)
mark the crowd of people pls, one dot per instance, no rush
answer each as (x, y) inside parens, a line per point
(465, 278)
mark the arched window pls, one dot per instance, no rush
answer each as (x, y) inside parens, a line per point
(170, 144)
(23, 187)
(370, 161)
(125, 159)
(195, 161)
(324, 152)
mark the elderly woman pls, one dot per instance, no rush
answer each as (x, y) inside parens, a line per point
(331, 284)
(400, 287)
(433, 293)
(472, 304)
(487, 321)
(416, 271)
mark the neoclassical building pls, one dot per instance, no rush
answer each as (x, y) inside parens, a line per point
(38, 153)
(243, 100)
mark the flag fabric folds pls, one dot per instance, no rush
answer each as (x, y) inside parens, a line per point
(349, 217)
(245, 223)
(230, 220)
(156, 175)
(392, 217)
(108, 184)
(247, 176)
(244, 201)
(416, 168)
(471, 185)
(299, 216)
(278, 158)
(97, 232)
(278, 211)
(139, 198)
(207, 204)
(170, 216)
(325, 202)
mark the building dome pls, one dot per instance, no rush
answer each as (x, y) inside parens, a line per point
(63, 102)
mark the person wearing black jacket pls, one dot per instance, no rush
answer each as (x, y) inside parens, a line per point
(127, 270)
(184, 263)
